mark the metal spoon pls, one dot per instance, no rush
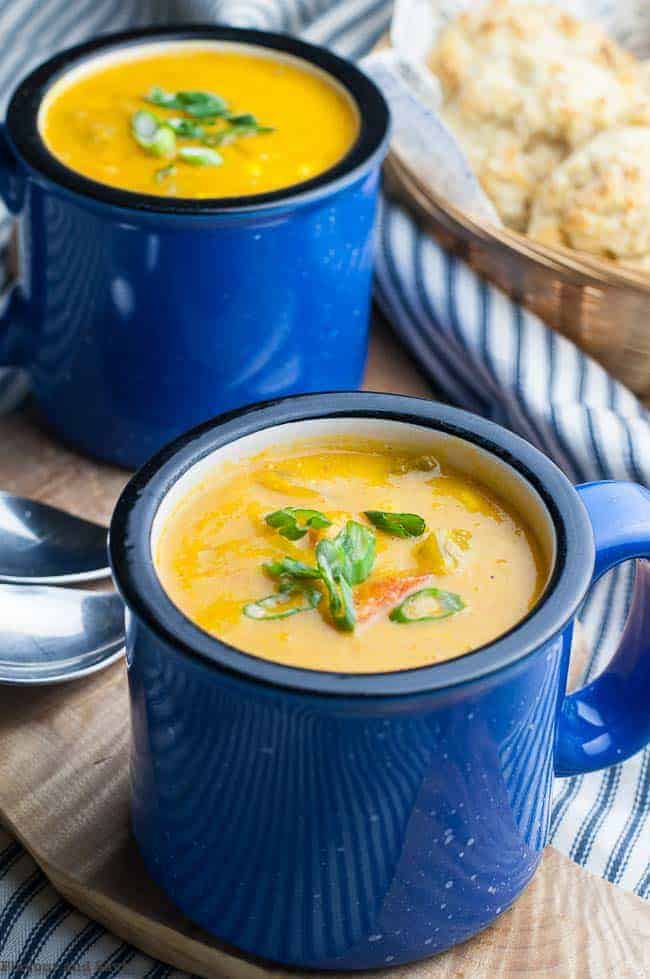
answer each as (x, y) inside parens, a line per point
(40, 544)
(48, 635)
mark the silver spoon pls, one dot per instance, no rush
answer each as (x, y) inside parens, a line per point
(48, 635)
(41, 545)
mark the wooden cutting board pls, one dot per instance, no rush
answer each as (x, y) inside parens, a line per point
(64, 791)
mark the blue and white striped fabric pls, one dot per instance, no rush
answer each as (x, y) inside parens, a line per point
(485, 353)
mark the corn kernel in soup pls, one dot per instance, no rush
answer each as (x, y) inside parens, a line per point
(192, 120)
(352, 557)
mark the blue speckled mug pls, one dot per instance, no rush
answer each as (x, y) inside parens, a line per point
(354, 821)
(138, 316)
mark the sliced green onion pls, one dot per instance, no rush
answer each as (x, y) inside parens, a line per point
(244, 119)
(158, 96)
(357, 544)
(200, 156)
(151, 135)
(341, 603)
(144, 125)
(186, 128)
(202, 104)
(397, 524)
(288, 521)
(345, 561)
(278, 605)
(197, 104)
(427, 605)
(288, 567)
(164, 143)
(165, 172)
(221, 138)
(226, 136)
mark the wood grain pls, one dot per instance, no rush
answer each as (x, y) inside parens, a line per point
(64, 790)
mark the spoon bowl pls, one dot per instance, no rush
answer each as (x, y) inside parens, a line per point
(49, 635)
(42, 545)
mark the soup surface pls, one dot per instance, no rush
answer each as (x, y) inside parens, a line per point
(349, 556)
(196, 120)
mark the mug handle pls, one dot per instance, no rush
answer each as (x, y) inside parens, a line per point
(13, 317)
(608, 720)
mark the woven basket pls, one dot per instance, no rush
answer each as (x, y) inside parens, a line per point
(602, 307)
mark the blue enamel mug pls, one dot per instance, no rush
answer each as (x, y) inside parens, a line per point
(138, 316)
(343, 822)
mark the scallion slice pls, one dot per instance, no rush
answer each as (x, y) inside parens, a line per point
(289, 567)
(197, 104)
(165, 172)
(279, 605)
(397, 524)
(427, 605)
(236, 131)
(357, 544)
(200, 156)
(186, 128)
(294, 522)
(341, 603)
(152, 135)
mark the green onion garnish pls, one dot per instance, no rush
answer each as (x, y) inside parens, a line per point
(202, 104)
(288, 567)
(144, 125)
(279, 605)
(200, 156)
(345, 561)
(158, 96)
(186, 128)
(158, 136)
(357, 545)
(341, 603)
(197, 104)
(164, 172)
(427, 605)
(151, 135)
(244, 119)
(236, 131)
(286, 521)
(397, 524)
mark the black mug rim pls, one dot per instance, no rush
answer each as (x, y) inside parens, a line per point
(369, 147)
(143, 593)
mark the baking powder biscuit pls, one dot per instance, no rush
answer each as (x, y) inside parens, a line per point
(598, 199)
(523, 85)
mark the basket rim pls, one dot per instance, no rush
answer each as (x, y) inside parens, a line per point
(564, 261)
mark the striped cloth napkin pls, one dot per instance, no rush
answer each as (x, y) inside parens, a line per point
(485, 353)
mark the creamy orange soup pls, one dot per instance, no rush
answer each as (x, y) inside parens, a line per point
(190, 119)
(351, 556)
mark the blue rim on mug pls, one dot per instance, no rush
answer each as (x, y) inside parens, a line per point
(370, 145)
(137, 580)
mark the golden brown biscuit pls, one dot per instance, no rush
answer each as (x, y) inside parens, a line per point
(525, 84)
(598, 200)
(640, 110)
(508, 168)
(523, 33)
